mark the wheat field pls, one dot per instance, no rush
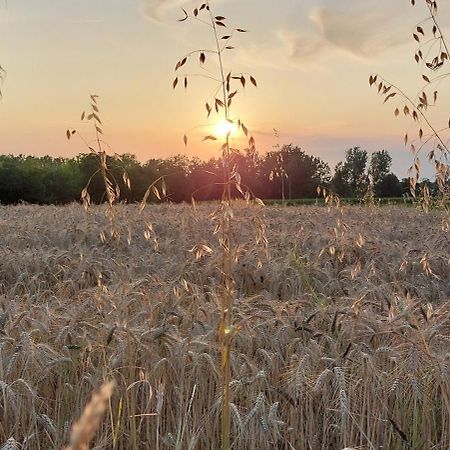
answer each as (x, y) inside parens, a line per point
(343, 319)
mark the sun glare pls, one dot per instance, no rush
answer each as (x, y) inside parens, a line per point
(224, 128)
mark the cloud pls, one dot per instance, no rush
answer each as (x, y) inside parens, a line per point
(363, 29)
(303, 47)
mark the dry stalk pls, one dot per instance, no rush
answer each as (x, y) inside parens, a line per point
(84, 429)
(223, 98)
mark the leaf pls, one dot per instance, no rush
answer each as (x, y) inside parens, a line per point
(392, 94)
(225, 37)
(156, 192)
(186, 16)
(97, 118)
(208, 109)
(185, 82)
(426, 78)
(253, 81)
(396, 112)
(181, 63)
(240, 30)
(202, 58)
(406, 139)
(126, 180)
(425, 99)
(220, 18)
(242, 81)
(68, 134)
(83, 115)
(209, 138)
(220, 24)
(185, 140)
(175, 82)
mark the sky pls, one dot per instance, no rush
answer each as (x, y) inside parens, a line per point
(311, 58)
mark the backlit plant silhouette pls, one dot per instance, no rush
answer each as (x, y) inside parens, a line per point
(98, 148)
(432, 55)
(227, 86)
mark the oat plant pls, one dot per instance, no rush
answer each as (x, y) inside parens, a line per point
(432, 55)
(226, 86)
(99, 147)
(279, 170)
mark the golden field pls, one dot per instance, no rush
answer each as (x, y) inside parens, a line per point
(343, 327)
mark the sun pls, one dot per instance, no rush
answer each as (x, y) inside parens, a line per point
(225, 128)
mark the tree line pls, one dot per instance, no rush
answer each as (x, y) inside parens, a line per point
(287, 172)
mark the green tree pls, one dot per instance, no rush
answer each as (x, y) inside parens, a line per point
(380, 166)
(350, 178)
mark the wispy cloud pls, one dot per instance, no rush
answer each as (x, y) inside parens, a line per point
(363, 29)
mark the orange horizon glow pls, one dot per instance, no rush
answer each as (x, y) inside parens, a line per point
(312, 85)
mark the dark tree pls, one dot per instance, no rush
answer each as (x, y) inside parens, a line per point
(304, 173)
(389, 186)
(350, 178)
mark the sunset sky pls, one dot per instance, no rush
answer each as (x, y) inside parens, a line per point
(311, 58)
